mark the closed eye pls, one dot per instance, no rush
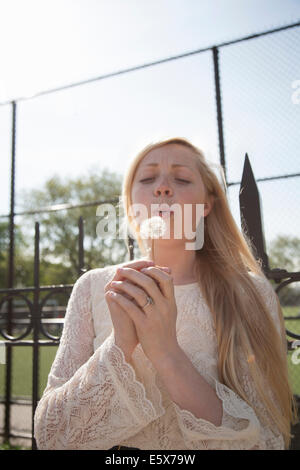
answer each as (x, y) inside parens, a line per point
(146, 179)
(183, 181)
(178, 179)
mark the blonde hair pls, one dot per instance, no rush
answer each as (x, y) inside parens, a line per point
(230, 293)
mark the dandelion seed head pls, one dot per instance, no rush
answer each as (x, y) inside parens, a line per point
(154, 227)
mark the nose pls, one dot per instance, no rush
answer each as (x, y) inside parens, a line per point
(163, 189)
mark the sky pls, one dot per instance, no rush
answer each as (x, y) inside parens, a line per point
(103, 124)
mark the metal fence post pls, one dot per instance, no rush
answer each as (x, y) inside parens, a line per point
(36, 318)
(10, 276)
(215, 51)
(251, 214)
(81, 269)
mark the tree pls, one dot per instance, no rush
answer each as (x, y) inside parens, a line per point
(59, 229)
(21, 260)
(284, 253)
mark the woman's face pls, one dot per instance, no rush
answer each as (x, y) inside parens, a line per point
(168, 175)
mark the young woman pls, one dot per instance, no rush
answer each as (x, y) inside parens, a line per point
(181, 349)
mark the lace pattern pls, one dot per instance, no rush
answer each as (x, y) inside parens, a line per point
(94, 399)
(240, 428)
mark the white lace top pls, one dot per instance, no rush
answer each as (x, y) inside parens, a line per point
(94, 399)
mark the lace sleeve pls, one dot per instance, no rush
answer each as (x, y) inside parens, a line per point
(240, 428)
(92, 400)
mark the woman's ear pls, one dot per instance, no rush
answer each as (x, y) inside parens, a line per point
(208, 205)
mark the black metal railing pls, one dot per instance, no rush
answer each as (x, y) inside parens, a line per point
(35, 324)
(252, 226)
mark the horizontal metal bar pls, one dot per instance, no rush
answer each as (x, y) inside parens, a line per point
(16, 290)
(62, 207)
(269, 178)
(41, 342)
(151, 64)
(46, 308)
(17, 401)
(21, 435)
(27, 321)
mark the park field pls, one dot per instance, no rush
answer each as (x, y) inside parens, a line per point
(22, 364)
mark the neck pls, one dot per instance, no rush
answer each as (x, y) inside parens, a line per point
(175, 256)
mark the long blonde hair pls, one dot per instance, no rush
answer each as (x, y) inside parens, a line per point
(230, 293)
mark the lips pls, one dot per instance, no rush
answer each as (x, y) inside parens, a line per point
(163, 208)
(162, 212)
(165, 213)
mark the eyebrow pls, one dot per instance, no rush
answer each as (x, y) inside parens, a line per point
(174, 165)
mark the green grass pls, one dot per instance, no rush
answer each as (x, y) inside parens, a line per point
(22, 370)
(22, 364)
(6, 446)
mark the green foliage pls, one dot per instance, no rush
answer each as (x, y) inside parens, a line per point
(7, 446)
(22, 262)
(284, 253)
(59, 231)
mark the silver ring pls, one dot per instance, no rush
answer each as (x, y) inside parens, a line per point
(149, 301)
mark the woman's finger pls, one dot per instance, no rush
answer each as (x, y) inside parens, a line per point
(143, 281)
(130, 290)
(116, 286)
(134, 312)
(134, 265)
(164, 280)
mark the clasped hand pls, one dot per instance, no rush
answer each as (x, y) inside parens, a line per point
(156, 323)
